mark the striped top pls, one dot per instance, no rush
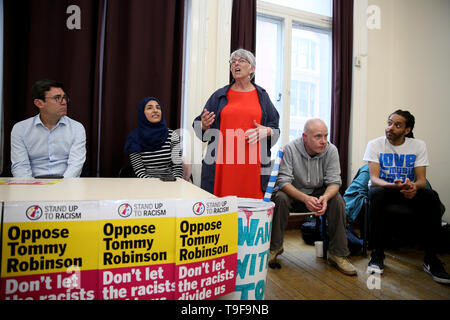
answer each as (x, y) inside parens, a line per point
(165, 161)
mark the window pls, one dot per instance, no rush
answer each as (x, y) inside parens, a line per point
(310, 78)
(302, 99)
(322, 7)
(267, 74)
(303, 52)
(293, 49)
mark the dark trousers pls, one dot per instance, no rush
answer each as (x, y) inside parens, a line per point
(336, 220)
(425, 207)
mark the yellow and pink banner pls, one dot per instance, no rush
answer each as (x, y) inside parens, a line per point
(110, 250)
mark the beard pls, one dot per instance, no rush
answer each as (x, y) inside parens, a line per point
(391, 136)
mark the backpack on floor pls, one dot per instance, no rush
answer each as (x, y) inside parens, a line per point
(311, 232)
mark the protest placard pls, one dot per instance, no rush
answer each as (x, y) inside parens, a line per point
(206, 248)
(137, 247)
(44, 254)
(119, 249)
(254, 230)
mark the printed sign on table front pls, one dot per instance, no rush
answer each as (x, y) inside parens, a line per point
(137, 247)
(44, 254)
(113, 250)
(206, 248)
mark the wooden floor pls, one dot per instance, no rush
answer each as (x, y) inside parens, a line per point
(305, 277)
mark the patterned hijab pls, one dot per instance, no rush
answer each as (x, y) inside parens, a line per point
(148, 136)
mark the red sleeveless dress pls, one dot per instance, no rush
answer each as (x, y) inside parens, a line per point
(238, 165)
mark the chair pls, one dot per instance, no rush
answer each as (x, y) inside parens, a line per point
(358, 205)
(366, 225)
(187, 170)
(400, 215)
(356, 201)
(267, 196)
(6, 173)
(85, 172)
(127, 171)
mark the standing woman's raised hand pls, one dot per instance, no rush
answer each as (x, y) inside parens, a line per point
(207, 119)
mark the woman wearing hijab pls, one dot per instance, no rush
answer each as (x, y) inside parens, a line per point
(154, 149)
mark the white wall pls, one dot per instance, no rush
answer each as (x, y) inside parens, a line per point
(407, 66)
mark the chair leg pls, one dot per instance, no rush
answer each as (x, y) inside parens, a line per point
(366, 226)
(325, 236)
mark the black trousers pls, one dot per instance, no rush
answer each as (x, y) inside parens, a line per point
(426, 210)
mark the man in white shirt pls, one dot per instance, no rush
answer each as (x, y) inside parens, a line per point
(397, 167)
(50, 143)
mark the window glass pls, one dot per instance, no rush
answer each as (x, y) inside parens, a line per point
(269, 68)
(322, 7)
(310, 78)
(294, 58)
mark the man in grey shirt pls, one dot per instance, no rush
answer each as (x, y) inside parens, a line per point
(308, 181)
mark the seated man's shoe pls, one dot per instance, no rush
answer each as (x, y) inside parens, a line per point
(273, 262)
(342, 264)
(376, 263)
(435, 268)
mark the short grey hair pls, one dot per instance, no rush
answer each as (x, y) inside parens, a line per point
(311, 122)
(247, 55)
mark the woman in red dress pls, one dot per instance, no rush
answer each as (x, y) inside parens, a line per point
(240, 124)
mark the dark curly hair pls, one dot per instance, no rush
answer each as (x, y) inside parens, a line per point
(410, 120)
(40, 87)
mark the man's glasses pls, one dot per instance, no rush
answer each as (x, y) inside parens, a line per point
(59, 98)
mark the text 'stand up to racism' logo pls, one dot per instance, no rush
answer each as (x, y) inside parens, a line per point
(34, 212)
(125, 210)
(198, 208)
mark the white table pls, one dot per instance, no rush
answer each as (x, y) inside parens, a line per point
(78, 189)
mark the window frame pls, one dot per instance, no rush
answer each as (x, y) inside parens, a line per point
(290, 18)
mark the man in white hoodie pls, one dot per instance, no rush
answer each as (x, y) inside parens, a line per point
(308, 181)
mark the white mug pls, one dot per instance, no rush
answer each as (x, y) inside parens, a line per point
(319, 248)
